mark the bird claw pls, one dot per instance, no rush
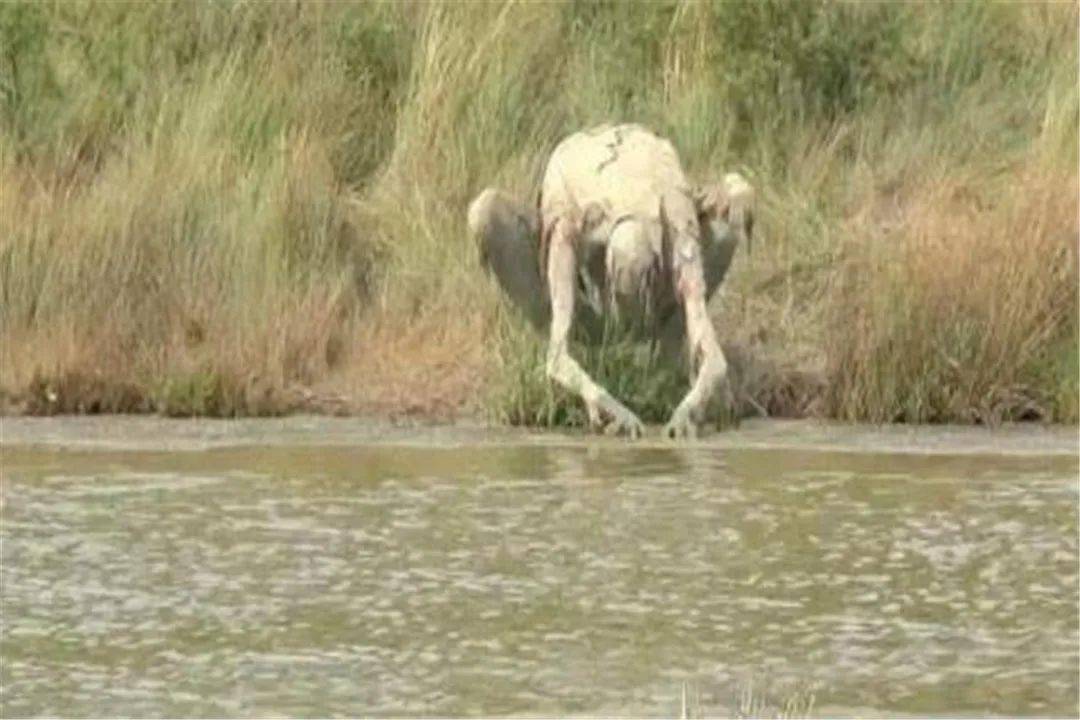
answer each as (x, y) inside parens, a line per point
(623, 422)
(681, 427)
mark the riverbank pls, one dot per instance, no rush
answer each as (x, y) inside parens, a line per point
(126, 433)
(259, 208)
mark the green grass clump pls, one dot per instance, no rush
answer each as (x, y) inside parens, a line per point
(215, 207)
(634, 372)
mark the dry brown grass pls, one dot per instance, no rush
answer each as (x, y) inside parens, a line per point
(433, 369)
(191, 366)
(962, 306)
(259, 207)
(175, 271)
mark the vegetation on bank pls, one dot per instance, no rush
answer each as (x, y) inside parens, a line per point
(245, 208)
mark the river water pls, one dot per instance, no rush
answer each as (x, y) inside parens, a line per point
(314, 567)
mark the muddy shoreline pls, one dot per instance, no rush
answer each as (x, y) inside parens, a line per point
(152, 433)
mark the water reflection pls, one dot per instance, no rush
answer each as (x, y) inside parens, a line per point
(537, 580)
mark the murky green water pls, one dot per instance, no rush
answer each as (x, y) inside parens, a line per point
(473, 577)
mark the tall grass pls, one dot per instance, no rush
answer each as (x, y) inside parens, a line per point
(233, 207)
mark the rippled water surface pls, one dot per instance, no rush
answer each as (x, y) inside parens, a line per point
(535, 578)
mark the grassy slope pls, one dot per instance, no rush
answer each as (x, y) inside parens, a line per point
(233, 208)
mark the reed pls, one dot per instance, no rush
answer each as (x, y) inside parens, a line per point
(253, 208)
